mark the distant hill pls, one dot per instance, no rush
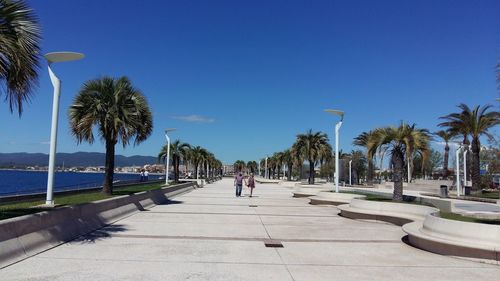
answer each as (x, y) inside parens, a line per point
(82, 159)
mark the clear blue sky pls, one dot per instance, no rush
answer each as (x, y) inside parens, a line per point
(259, 72)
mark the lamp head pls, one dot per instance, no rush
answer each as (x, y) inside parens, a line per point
(63, 56)
(336, 112)
(169, 130)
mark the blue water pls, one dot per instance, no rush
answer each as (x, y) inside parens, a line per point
(26, 182)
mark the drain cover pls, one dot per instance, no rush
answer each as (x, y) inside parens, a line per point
(252, 206)
(273, 243)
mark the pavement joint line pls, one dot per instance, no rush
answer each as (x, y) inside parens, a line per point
(289, 240)
(274, 264)
(240, 205)
(241, 214)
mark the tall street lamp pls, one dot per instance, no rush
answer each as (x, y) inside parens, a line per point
(457, 168)
(465, 165)
(337, 129)
(266, 171)
(350, 177)
(56, 83)
(168, 152)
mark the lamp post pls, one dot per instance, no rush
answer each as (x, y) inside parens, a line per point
(409, 172)
(258, 167)
(266, 172)
(168, 153)
(457, 168)
(337, 129)
(56, 83)
(465, 165)
(350, 177)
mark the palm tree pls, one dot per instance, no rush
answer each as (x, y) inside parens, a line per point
(118, 110)
(358, 165)
(446, 135)
(278, 156)
(178, 151)
(288, 161)
(369, 142)
(197, 155)
(20, 37)
(402, 141)
(311, 146)
(252, 166)
(297, 158)
(474, 122)
(239, 165)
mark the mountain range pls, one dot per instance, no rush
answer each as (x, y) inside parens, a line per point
(77, 159)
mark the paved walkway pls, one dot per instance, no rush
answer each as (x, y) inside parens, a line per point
(211, 235)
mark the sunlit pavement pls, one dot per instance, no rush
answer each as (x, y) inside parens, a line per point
(209, 234)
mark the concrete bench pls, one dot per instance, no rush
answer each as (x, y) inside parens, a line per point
(456, 238)
(307, 192)
(199, 182)
(333, 198)
(396, 213)
(262, 180)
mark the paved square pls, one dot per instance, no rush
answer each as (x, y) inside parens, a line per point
(209, 234)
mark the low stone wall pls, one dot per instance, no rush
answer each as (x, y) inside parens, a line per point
(262, 180)
(29, 235)
(333, 198)
(199, 182)
(396, 213)
(307, 192)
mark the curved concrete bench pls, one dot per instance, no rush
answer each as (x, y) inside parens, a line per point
(456, 238)
(333, 198)
(288, 183)
(307, 192)
(261, 180)
(28, 235)
(396, 213)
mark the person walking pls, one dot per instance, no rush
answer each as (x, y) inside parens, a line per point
(238, 183)
(251, 183)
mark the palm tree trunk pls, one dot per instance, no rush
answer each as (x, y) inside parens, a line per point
(176, 168)
(445, 161)
(370, 172)
(398, 162)
(311, 172)
(475, 173)
(290, 166)
(107, 186)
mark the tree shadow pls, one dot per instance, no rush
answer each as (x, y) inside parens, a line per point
(100, 234)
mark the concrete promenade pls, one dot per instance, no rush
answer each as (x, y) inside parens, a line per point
(209, 234)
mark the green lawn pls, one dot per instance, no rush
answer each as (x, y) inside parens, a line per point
(10, 210)
(458, 217)
(488, 194)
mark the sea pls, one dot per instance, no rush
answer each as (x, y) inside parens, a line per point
(16, 182)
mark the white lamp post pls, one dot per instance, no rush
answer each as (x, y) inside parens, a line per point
(266, 172)
(168, 153)
(56, 83)
(258, 167)
(457, 169)
(337, 129)
(465, 166)
(350, 177)
(409, 172)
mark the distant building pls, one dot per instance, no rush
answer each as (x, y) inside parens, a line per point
(228, 169)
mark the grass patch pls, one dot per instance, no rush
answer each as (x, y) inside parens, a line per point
(458, 217)
(10, 210)
(488, 194)
(380, 198)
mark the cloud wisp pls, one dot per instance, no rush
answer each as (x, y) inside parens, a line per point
(194, 118)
